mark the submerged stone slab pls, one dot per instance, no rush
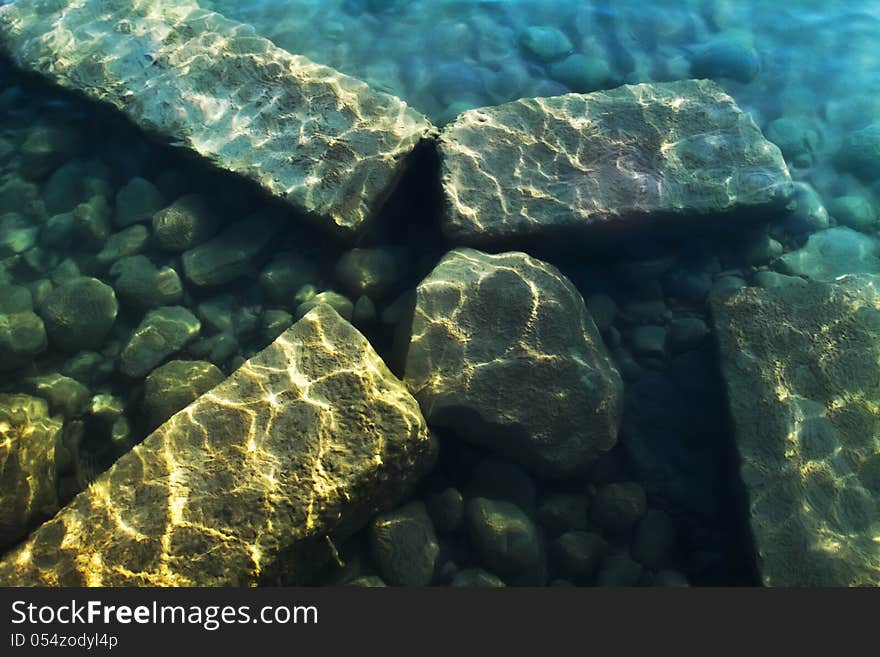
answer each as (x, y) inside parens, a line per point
(575, 164)
(505, 353)
(323, 141)
(802, 370)
(249, 483)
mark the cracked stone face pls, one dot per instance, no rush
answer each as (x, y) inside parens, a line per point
(802, 370)
(505, 353)
(573, 164)
(322, 140)
(300, 446)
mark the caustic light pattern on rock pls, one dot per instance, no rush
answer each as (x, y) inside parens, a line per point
(307, 440)
(504, 352)
(569, 164)
(320, 139)
(801, 368)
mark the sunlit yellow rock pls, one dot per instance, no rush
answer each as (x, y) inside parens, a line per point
(252, 482)
(802, 370)
(28, 436)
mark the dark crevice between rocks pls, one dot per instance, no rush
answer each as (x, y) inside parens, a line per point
(743, 550)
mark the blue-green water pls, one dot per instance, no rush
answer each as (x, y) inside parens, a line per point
(809, 72)
(80, 190)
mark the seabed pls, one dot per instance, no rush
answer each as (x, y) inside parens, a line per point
(546, 294)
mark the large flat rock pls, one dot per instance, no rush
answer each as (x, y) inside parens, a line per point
(576, 164)
(802, 370)
(250, 482)
(323, 141)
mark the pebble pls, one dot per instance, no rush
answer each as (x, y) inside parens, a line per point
(859, 153)
(726, 56)
(17, 234)
(617, 507)
(855, 212)
(65, 395)
(106, 407)
(545, 43)
(580, 73)
(503, 536)
(142, 285)
(446, 509)
(559, 512)
(230, 254)
(772, 279)
(138, 200)
(175, 385)
(79, 314)
(274, 323)
(404, 545)
(476, 577)
(807, 212)
(128, 242)
(89, 367)
(162, 333)
(649, 341)
(185, 224)
(577, 554)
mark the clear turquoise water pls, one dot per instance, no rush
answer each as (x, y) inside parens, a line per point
(815, 64)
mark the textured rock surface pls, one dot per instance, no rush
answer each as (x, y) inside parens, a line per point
(231, 253)
(405, 546)
(163, 332)
(27, 465)
(323, 141)
(803, 379)
(504, 352)
(79, 314)
(573, 163)
(307, 440)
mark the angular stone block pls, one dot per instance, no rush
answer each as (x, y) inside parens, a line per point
(802, 370)
(322, 140)
(301, 445)
(578, 164)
